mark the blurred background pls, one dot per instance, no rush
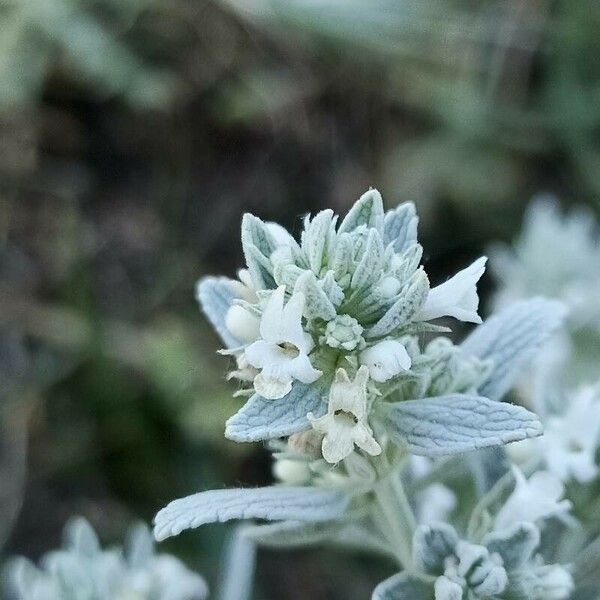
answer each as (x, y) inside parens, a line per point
(135, 133)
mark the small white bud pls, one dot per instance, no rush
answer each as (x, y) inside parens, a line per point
(389, 287)
(242, 324)
(385, 360)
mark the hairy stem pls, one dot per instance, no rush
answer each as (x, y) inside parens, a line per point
(398, 516)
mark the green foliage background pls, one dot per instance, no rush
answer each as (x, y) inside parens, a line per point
(134, 134)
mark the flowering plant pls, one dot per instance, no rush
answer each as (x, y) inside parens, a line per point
(327, 337)
(82, 570)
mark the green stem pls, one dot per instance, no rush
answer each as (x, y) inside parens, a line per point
(398, 515)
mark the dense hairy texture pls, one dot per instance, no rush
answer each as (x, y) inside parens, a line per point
(400, 227)
(458, 423)
(270, 503)
(510, 340)
(263, 419)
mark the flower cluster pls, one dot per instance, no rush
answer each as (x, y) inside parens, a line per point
(82, 569)
(503, 563)
(363, 401)
(337, 315)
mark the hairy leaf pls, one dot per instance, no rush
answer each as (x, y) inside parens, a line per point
(262, 419)
(215, 297)
(293, 533)
(457, 423)
(403, 309)
(258, 245)
(318, 305)
(431, 545)
(510, 340)
(400, 227)
(367, 210)
(515, 546)
(315, 238)
(369, 266)
(274, 503)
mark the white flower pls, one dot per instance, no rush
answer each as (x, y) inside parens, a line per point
(532, 500)
(345, 423)
(244, 371)
(385, 360)
(282, 352)
(457, 297)
(570, 441)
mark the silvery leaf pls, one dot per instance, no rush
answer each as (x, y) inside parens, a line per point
(215, 297)
(341, 533)
(318, 305)
(403, 587)
(515, 546)
(367, 210)
(431, 545)
(262, 419)
(457, 423)
(510, 340)
(275, 503)
(410, 260)
(342, 256)
(258, 244)
(368, 269)
(332, 289)
(404, 308)
(400, 227)
(238, 567)
(288, 534)
(316, 238)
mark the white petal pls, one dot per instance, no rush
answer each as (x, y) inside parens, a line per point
(338, 443)
(271, 322)
(363, 438)
(385, 360)
(347, 395)
(261, 353)
(301, 369)
(320, 424)
(292, 331)
(271, 387)
(457, 297)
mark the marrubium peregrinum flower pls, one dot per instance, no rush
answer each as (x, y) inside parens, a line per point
(346, 294)
(326, 335)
